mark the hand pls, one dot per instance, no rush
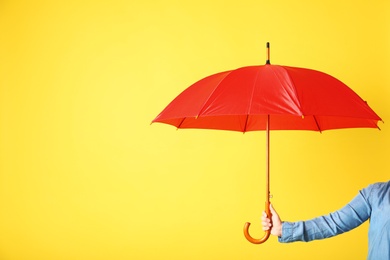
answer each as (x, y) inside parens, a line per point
(275, 225)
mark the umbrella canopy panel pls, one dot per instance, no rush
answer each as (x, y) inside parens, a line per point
(295, 99)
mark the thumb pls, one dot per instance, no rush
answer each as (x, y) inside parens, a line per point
(273, 211)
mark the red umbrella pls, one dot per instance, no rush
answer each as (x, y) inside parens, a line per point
(268, 97)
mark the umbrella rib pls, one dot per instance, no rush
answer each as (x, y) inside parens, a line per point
(246, 123)
(184, 118)
(251, 100)
(294, 89)
(318, 125)
(211, 94)
(253, 91)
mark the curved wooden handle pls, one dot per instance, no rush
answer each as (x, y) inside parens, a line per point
(254, 240)
(267, 233)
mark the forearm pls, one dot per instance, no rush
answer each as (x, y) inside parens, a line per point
(338, 222)
(306, 231)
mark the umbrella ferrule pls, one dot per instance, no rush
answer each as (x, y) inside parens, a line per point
(268, 54)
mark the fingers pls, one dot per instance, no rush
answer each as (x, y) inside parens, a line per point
(265, 221)
(274, 225)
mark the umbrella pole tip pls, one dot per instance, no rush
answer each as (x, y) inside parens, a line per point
(268, 54)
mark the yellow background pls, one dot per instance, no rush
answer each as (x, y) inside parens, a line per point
(85, 176)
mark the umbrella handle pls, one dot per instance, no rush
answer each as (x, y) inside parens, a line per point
(267, 233)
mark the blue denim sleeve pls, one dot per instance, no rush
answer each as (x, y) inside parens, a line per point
(349, 217)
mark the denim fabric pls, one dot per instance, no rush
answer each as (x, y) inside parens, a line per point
(371, 203)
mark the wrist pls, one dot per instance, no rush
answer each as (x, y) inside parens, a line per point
(279, 229)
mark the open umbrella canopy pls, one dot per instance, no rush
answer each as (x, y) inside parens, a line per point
(295, 99)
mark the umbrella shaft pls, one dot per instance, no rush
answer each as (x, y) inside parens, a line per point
(267, 181)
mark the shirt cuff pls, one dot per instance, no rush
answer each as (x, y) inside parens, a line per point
(287, 232)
